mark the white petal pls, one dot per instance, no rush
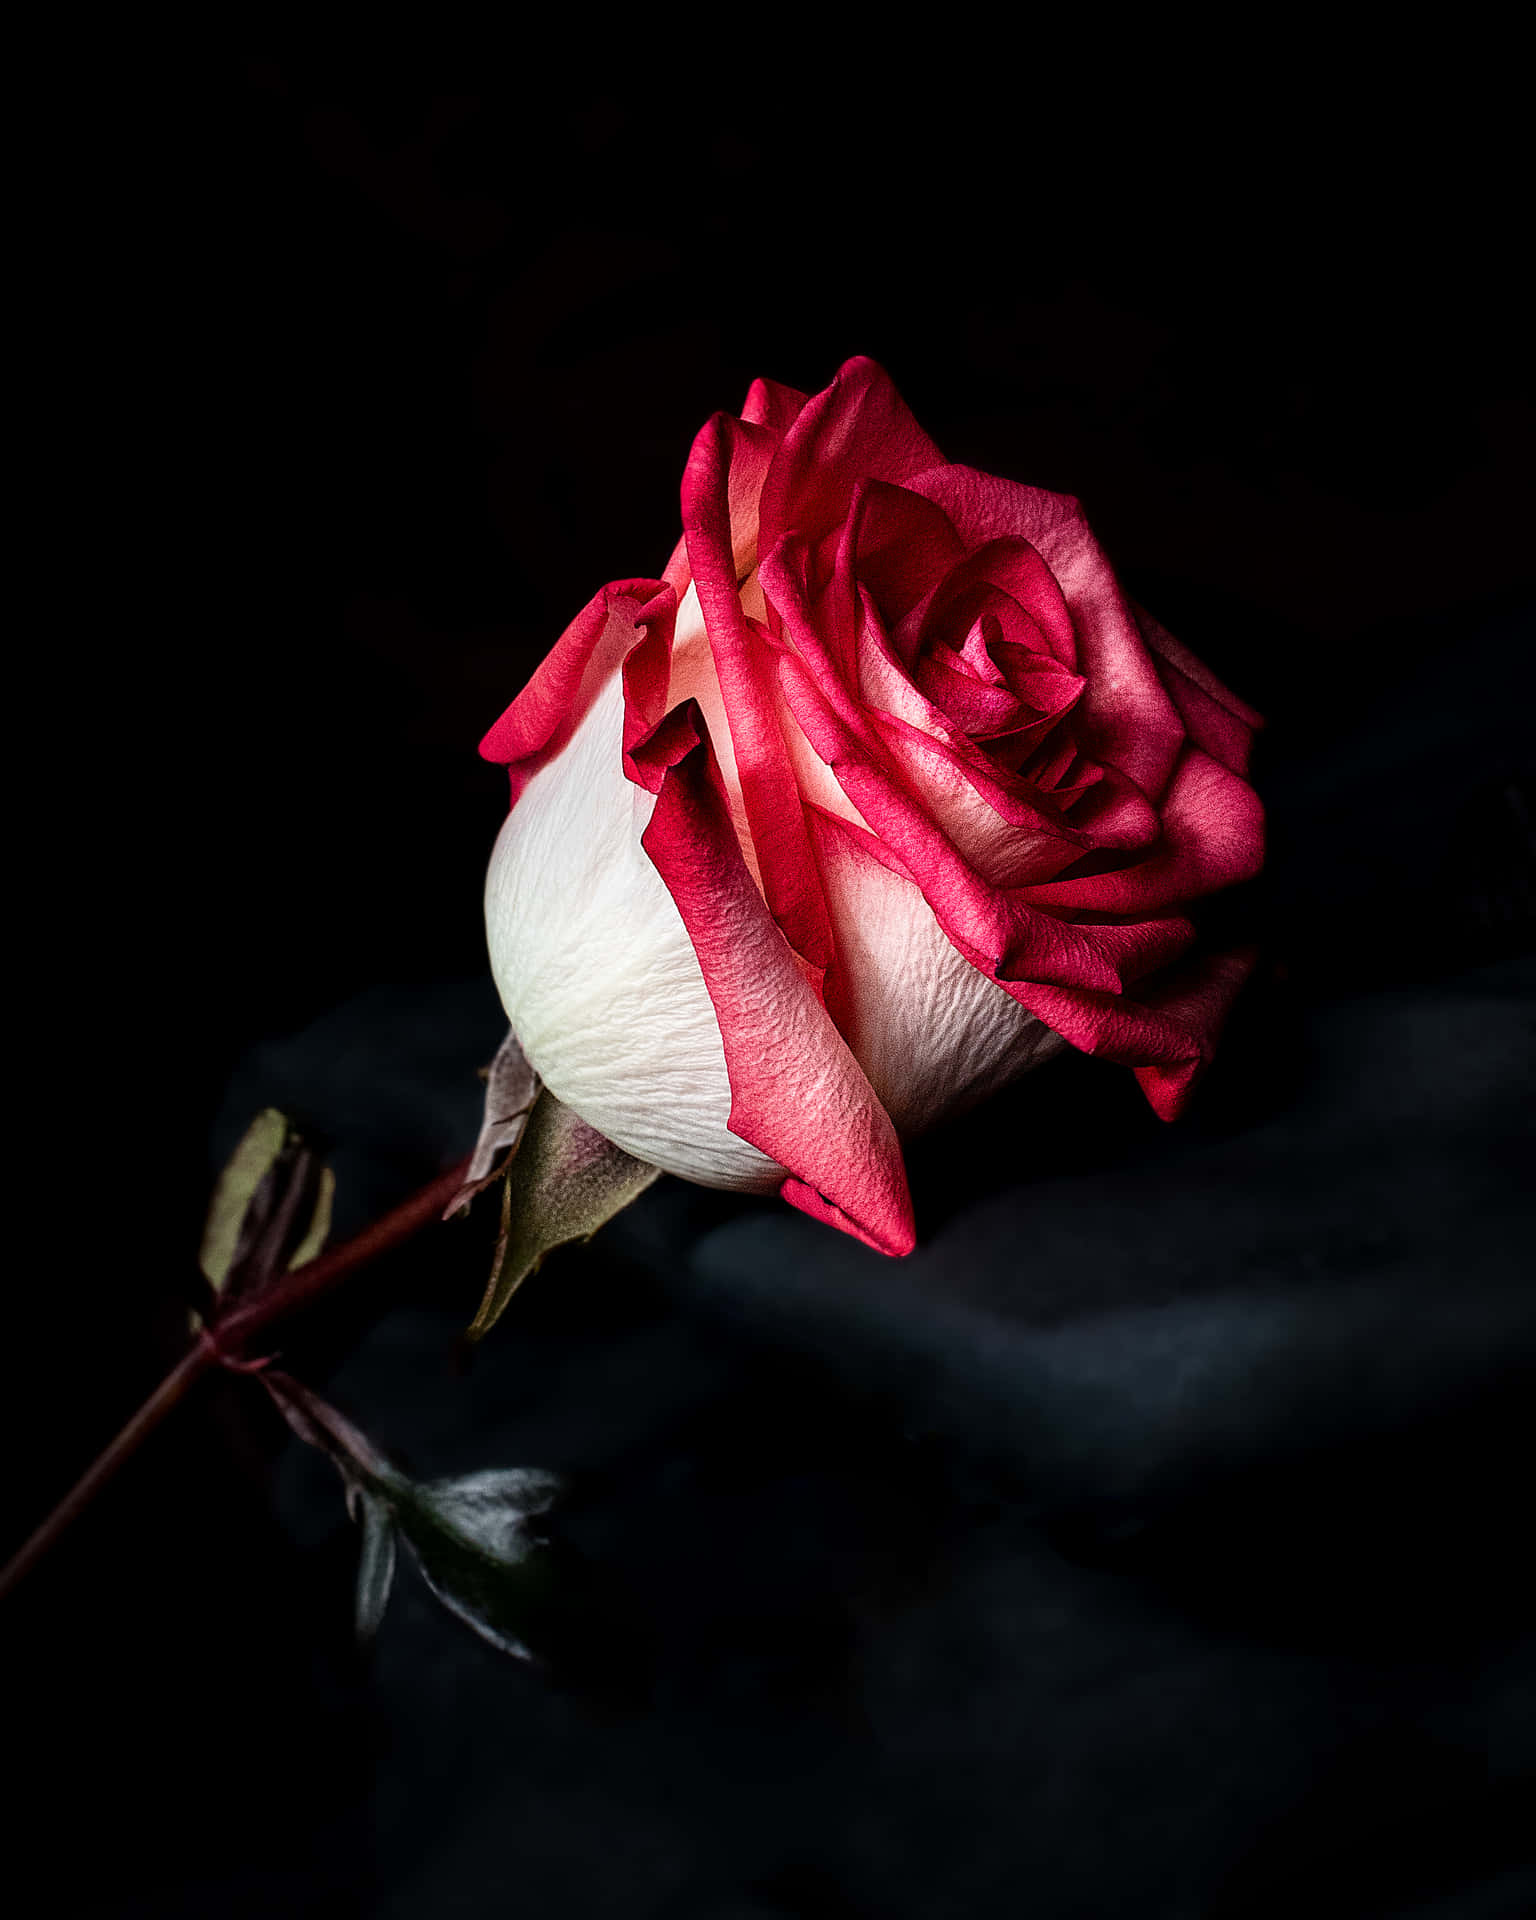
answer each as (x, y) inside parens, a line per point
(596, 971)
(932, 1033)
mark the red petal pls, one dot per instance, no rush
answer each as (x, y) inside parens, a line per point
(897, 546)
(1214, 718)
(1125, 716)
(1212, 836)
(720, 487)
(859, 428)
(1199, 998)
(555, 701)
(772, 405)
(1167, 1032)
(797, 1093)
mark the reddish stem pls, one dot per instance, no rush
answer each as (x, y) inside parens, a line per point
(223, 1343)
(304, 1284)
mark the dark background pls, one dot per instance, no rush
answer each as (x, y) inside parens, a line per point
(1149, 1543)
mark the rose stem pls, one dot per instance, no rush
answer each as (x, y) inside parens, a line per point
(221, 1344)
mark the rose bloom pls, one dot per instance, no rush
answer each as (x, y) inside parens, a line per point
(880, 796)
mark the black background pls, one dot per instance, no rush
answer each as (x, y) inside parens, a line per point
(405, 359)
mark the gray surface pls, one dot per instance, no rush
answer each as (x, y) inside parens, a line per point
(1146, 1542)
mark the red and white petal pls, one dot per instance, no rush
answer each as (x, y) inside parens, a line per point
(597, 973)
(1166, 1031)
(932, 1033)
(545, 715)
(1014, 573)
(769, 403)
(720, 489)
(1197, 998)
(1215, 719)
(896, 547)
(994, 926)
(1125, 716)
(1212, 836)
(797, 1092)
(859, 428)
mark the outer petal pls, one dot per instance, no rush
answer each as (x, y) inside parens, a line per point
(1198, 997)
(544, 716)
(797, 1093)
(1167, 1031)
(596, 970)
(932, 1033)
(1217, 720)
(1212, 836)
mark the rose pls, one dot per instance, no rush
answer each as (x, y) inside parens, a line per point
(881, 795)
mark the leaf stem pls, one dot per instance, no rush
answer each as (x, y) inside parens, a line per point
(223, 1345)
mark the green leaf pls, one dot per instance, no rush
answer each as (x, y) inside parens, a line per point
(472, 1540)
(565, 1181)
(319, 1229)
(471, 1536)
(376, 1564)
(270, 1211)
(246, 1168)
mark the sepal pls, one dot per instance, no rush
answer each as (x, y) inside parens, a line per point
(511, 1087)
(565, 1181)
